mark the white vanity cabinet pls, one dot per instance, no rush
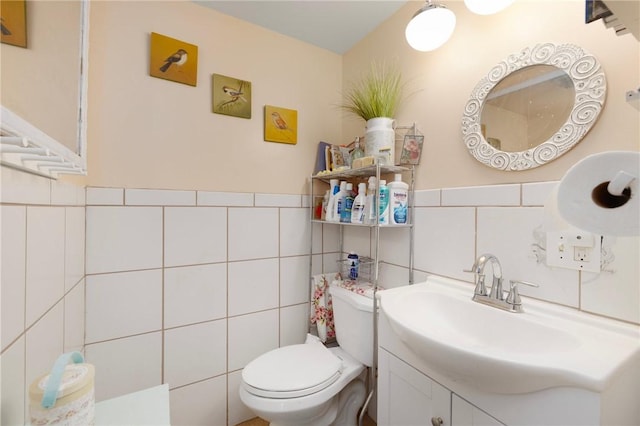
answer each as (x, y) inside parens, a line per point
(407, 397)
(412, 392)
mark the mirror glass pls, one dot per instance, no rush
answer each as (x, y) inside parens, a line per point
(533, 106)
(44, 83)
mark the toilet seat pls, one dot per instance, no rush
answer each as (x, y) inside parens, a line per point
(292, 371)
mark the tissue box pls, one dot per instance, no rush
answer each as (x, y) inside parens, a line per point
(75, 401)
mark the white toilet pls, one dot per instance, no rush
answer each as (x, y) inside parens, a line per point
(309, 384)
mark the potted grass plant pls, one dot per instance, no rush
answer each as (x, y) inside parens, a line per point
(375, 98)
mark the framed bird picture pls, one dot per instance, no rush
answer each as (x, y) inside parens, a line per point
(280, 125)
(173, 60)
(13, 22)
(231, 96)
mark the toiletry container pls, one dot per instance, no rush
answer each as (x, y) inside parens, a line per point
(345, 214)
(370, 210)
(357, 210)
(339, 203)
(398, 201)
(333, 190)
(383, 200)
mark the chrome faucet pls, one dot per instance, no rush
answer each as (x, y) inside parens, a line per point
(495, 298)
(496, 283)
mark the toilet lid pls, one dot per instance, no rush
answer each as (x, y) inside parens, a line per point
(292, 371)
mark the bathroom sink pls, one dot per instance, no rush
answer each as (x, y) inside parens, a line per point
(502, 352)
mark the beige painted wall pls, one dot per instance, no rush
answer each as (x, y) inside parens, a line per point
(440, 82)
(146, 132)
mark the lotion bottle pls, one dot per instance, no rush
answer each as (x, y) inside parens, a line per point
(370, 211)
(398, 201)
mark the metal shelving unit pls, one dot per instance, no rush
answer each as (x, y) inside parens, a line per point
(355, 176)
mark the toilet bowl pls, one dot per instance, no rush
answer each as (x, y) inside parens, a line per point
(312, 385)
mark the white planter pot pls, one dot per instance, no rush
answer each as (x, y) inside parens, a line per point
(380, 140)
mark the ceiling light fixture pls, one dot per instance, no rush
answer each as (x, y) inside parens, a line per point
(487, 7)
(430, 27)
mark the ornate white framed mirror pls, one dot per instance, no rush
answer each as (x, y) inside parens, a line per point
(44, 102)
(533, 106)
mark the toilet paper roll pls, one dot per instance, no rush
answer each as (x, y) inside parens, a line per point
(600, 194)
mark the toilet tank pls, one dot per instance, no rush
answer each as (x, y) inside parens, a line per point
(353, 319)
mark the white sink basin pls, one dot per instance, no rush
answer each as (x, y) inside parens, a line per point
(502, 352)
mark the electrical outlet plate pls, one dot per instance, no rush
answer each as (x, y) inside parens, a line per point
(574, 249)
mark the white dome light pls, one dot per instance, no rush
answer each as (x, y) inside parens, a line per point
(487, 7)
(430, 27)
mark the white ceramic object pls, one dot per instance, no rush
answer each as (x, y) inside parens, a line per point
(308, 384)
(501, 352)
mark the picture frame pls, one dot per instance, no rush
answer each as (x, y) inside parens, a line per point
(231, 96)
(280, 125)
(411, 149)
(173, 60)
(13, 23)
(594, 10)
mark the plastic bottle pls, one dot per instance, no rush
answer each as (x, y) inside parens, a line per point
(354, 263)
(325, 203)
(383, 200)
(370, 211)
(345, 213)
(333, 190)
(339, 202)
(398, 201)
(357, 210)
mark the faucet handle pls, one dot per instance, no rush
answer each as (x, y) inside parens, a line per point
(513, 298)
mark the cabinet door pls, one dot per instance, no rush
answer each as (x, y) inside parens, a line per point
(406, 397)
(466, 414)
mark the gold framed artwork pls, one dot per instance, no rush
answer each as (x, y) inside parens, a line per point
(280, 125)
(231, 96)
(13, 22)
(173, 60)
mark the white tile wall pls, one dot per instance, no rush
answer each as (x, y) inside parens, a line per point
(159, 197)
(253, 233)
(13, 220)
(12, 385)
(508, 233)
(105, 196)
(41, 288)
(226, 199)
(238, 412)
(123, 304)
(126, 365)
(494, 195)
(74, 246)
(250, 336)
(200, 404)
(294, 280)
(293, 324)
(294, 232)
(195, 352)
(253, 286)
(45, 259)
(44, 344)
(123, 238)
(194, 235)
(74, 318)
(445, 240)
(195, 294)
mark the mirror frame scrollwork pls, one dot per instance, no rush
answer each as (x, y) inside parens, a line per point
(590, 91)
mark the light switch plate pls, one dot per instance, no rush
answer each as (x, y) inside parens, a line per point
(574, 249)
